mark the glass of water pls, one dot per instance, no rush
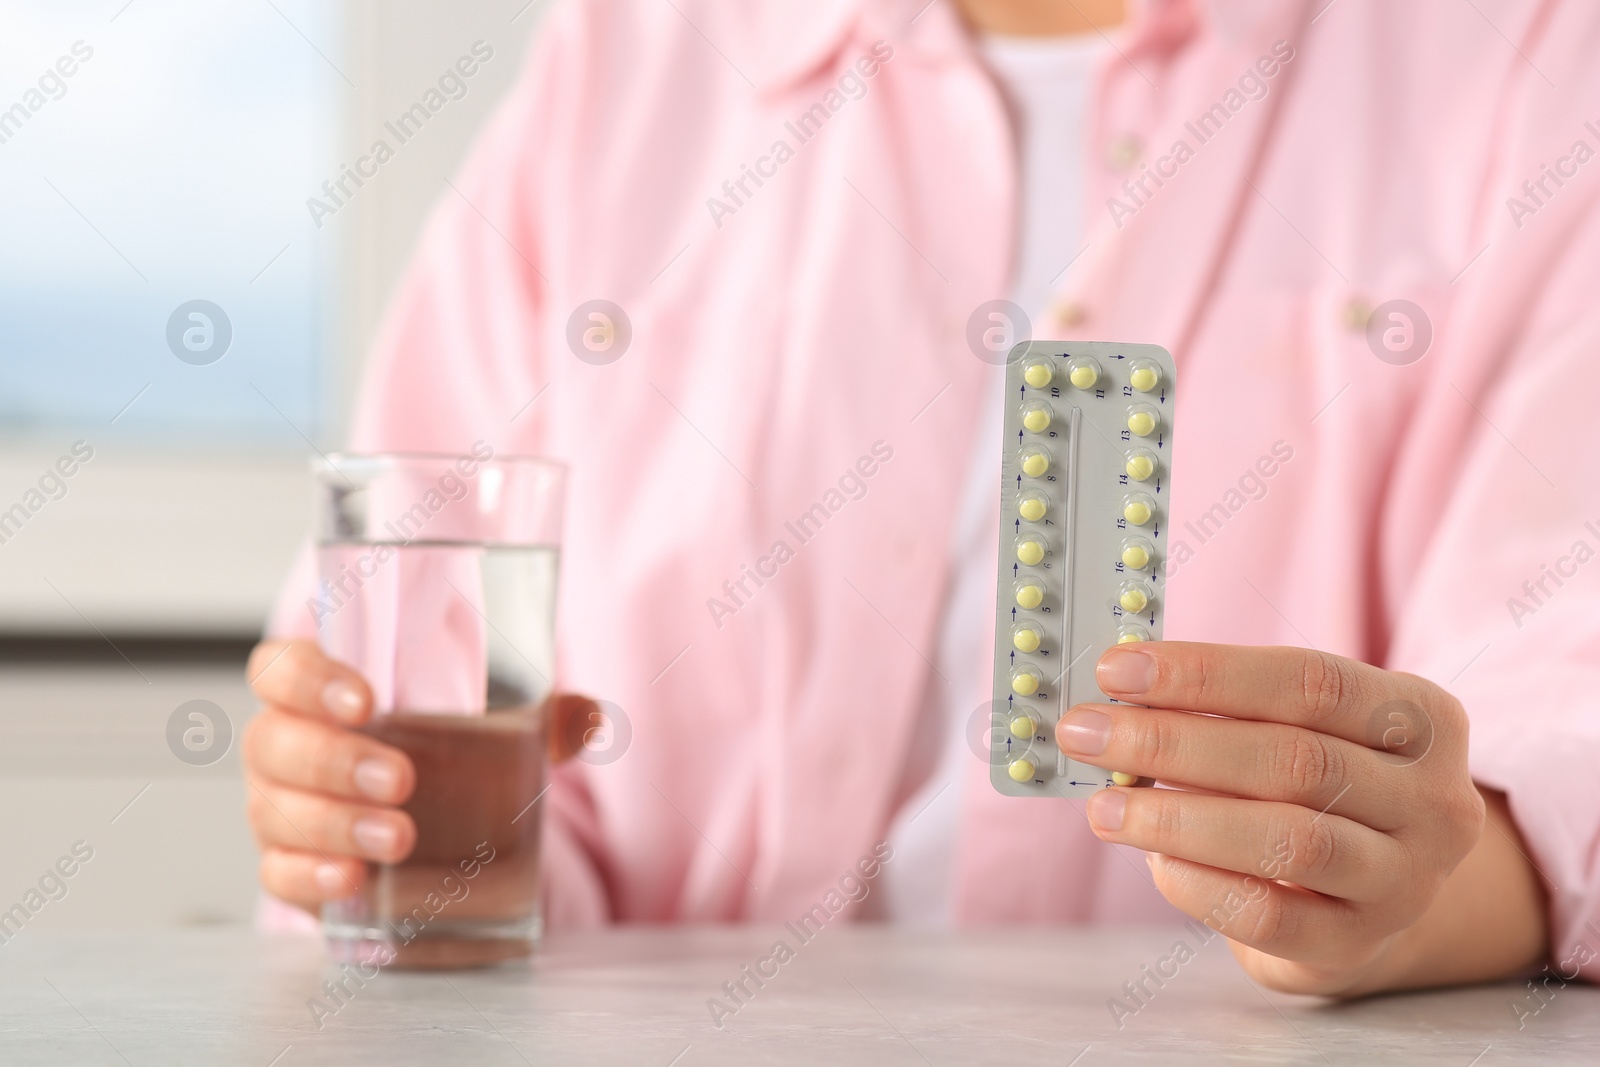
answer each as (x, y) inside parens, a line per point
(437, 582)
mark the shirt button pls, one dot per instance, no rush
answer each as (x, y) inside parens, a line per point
(1356, 313)
(1069, 314)
(1123, 152)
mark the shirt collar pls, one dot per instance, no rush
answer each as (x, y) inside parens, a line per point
(799, 38)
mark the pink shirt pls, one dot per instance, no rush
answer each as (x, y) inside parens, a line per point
(798, 349)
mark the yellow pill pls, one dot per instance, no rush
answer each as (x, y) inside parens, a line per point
(1084, 376)
(1133, 599)
(1123, 777)
(1024, 684)
(1030, 596)
(1136, 556)
(1026, 640)
(1030, 553)
(1022, 727)
(1128, 637)
(1034, 464)
(1142, 423)
(1039, 375)
(1021, 770)
(1140, 468)
(1137, 512)
(1036, 420)
(1031, 508)
(1145, 379)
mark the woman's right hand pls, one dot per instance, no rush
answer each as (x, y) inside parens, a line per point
(323, 798)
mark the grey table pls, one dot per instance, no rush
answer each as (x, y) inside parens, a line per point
(853, 995)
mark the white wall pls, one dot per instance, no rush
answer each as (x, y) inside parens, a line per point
(77, 744)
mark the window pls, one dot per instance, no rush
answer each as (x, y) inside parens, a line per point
(169, 158)
(150, 156)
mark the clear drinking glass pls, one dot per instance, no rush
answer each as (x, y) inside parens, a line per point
(437, 581)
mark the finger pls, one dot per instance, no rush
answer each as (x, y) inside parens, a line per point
(290, 818)
(1264, 761)
(297, 676)
(1299, 686)
(1284, 921)
(571, 717)
(1325, 853)
(308, 880)
(303, 753)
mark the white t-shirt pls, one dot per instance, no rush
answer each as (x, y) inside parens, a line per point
(1047, 82)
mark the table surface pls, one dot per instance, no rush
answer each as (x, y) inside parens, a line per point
(637, 995)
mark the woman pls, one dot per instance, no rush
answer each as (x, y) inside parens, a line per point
(1350, 225)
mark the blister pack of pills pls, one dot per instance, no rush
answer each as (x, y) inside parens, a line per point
(1084, 491)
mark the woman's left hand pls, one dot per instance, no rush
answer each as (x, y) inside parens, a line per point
(1320, 803)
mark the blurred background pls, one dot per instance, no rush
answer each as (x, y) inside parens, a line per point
(176, 163)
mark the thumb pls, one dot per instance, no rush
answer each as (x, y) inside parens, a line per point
(569, 718)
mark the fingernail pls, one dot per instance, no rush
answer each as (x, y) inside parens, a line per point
(375, 836)
(1105, 810)
(329, 878)
(1125, 671)
(1085, 732)
(377, 778)
(342, 700)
